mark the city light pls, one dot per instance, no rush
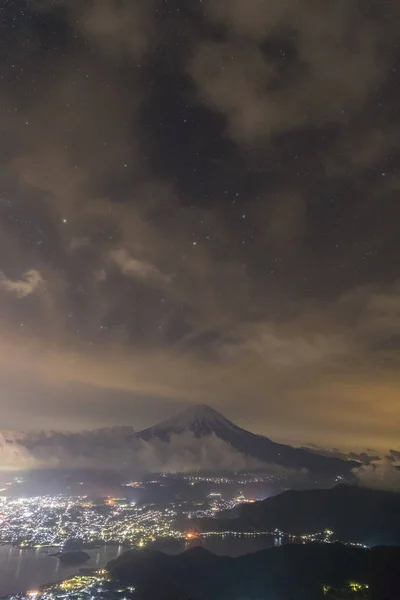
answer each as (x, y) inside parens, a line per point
(54, 521)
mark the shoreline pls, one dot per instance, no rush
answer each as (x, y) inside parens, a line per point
(16, 585)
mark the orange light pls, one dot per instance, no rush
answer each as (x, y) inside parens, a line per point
(111, 502)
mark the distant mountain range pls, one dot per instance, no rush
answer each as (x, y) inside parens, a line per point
(354, 514)
(199, 438)
(301, 572)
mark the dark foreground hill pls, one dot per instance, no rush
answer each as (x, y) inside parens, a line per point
(301, 572)
(354, 514)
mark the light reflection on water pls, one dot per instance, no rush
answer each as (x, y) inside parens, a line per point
(26, 569)
(21, 570)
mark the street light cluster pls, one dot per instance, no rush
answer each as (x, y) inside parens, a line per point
(54, 521)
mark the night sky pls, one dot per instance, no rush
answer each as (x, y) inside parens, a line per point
(199, 203)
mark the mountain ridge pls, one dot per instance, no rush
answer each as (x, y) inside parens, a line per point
(202, 421)
(304, 572)
(353, 513)
(199, 438)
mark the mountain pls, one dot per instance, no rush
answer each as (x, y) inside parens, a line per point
(198, 439)
(353, 513)
(203, 421)
(304, 572)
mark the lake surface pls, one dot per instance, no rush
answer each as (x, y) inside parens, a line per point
(22, 570)
(236, 545)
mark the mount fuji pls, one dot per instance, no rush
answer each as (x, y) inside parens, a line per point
(202, 421)
(199, 438)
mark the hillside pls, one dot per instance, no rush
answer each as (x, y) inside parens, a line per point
(355, 514)
(291, 571)
(198, 439)
(202, 421)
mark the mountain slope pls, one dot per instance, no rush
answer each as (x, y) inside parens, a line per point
(200, 420)
(197, 439)
(293, 571)
(354, 514)
(203, 421)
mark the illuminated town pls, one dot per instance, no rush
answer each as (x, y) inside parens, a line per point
(85, 586)
(69, 523)
(53, 521)
(97, 584)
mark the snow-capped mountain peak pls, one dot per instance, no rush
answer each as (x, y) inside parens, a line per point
(198, 438)
(200, 419)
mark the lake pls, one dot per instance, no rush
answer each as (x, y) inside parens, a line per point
(22, 570)
(236, 545)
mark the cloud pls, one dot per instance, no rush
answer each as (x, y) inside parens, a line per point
(118, 448)
(321, 372)
(22, 287)
(13, 455)
(276, 349)
(100, 275)
(78, 243)
(323, 72)
(117, 28)
(121, 28)
(361, 148)
(378, 312)
(366, 457)
(381, 475)
(186, 453)
(280, 313)
(394, 456)
(133, 267)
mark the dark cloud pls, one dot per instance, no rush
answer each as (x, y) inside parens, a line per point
(365, 458)
(394, 456)
(117, 448)
(291, 66)
(197, 204)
